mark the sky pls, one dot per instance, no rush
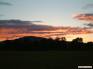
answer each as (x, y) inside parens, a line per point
(52, 12)
(63, 13)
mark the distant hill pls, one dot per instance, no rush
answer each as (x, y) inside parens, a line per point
(39, 43)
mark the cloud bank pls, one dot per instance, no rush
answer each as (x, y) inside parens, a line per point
(23, 24)
(28, 26)
(19, 28)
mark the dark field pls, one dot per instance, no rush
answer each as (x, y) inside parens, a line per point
(44, 59)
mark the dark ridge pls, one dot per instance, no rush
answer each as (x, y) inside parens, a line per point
(39, 43)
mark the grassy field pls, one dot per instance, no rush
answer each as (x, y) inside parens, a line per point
(44, 59)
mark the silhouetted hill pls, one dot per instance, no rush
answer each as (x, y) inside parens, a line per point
(39, 43)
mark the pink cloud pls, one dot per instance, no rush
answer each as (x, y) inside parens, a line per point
(85, 17)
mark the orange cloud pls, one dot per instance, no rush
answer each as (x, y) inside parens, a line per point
(12, 29)
(12, 33)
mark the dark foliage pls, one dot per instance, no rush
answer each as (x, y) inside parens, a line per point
(38, 43)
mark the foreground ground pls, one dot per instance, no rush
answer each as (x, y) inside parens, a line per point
(44, 59)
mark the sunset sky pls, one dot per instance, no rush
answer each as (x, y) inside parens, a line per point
(73, 15)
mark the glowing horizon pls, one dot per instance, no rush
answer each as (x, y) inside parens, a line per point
(47, 18)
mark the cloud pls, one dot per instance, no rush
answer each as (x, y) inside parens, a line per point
(30, 27)
(5, 3)
(17, 22)
(19, 28)
(16, 32)
(89, 25)
(85, 17)
(13, 22)
(26, 24)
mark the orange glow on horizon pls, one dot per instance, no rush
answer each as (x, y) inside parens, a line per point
(69, 33)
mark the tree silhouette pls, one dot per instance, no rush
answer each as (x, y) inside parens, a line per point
(80, 40)
(63, 39)
(39, 43)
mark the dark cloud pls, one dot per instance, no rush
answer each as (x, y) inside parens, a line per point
(85, 17)
(25, 24)
(5, 3)
(88, 14)
(13, 22)
(89, 25)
